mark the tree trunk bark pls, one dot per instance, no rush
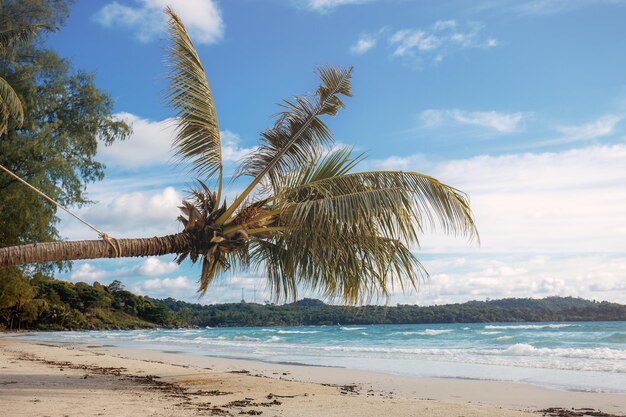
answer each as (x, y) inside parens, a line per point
(93, 249)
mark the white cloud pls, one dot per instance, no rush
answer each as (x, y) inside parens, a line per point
(231, 151)
(154, 266)
(437, 41)
(570, 202)
(364, 44)
(444, 24)
(151, 144)
(416, 162)
(87, 273)
(136, 214)
(407, 41)
(601, 127)
(178, 283)
(433, 43)
(327, 5)
(146, 18)
(457, 279)
(498, 121)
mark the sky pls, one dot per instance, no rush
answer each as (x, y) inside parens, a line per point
(519, 103)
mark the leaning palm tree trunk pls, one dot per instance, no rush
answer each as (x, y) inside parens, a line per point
(93, 249)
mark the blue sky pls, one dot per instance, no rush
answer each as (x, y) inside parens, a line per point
(519, 103)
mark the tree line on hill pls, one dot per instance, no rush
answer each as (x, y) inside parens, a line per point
(44, 303)
(315, 312)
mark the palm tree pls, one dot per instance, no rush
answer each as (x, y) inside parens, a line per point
(307, 217)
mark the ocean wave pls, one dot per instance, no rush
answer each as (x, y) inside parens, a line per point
(615, 338)
(427, 332)
(489, 333)
(530, 326)
(246, 339)
(504, 338)
(519, 349)
(501, 350)
(524, 349)
(297, 331)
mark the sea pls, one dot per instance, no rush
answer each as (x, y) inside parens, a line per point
(576, 356)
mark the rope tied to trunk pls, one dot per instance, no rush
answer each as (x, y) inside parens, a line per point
(112, 242)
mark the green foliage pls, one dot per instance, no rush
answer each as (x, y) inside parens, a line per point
(65, 116)
(315, 312)
(155, 313)
(44, 303)
(12, 33)
(18, 304)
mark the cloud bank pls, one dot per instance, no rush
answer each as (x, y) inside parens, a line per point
(147, 20)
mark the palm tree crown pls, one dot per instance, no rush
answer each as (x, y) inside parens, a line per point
(308, 217)
(316, 223)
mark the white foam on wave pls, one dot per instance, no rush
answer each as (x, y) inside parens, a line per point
(246, 338)
(351, 329)
(504, 338)
(489, 333)
(297, 331)
(524, 349)
(530, 326)
(427, 332)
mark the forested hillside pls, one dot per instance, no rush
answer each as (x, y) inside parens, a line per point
(44, 303)
(315, 312)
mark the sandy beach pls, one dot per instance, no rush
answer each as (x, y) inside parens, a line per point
(43, 379)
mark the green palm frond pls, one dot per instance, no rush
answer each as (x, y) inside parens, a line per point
(197, 130)
(297, 134)
(10, 106)
(299, 131)
(320, 166)
(402, 201)
(349, 269)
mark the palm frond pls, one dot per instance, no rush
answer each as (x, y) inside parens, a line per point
(398, 202)
(10, 106)
(297, 134)
(349, 269)
(348, 234)
(197, 131)
(320, 166)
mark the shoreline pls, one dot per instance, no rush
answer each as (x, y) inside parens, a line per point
(145, 376)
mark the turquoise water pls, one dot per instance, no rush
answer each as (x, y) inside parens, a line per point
(582, 356)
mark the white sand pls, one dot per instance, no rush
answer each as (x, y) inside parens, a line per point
(76, 380)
